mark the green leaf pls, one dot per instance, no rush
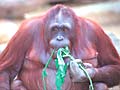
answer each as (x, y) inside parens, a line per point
(61, 68)
(44, 73)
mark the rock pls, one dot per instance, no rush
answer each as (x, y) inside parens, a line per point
(115, 41)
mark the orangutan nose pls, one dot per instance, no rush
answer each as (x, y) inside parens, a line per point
(60, 38)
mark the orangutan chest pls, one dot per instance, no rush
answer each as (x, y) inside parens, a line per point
(34, 78)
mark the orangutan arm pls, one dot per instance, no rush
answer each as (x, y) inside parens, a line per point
(108, 60)
(108, 70)
(12, 58)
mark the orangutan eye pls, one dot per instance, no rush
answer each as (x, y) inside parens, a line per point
(55, 29)
(65, 29)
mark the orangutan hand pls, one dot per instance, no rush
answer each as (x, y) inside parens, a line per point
(78, 75)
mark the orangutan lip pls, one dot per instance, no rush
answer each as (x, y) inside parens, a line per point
(56, 49)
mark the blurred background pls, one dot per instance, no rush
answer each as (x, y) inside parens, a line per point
(104, 12)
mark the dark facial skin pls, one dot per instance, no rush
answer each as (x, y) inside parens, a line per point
(59, 36)
(60, 30)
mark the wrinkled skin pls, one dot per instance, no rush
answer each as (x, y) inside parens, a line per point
(29, 49)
